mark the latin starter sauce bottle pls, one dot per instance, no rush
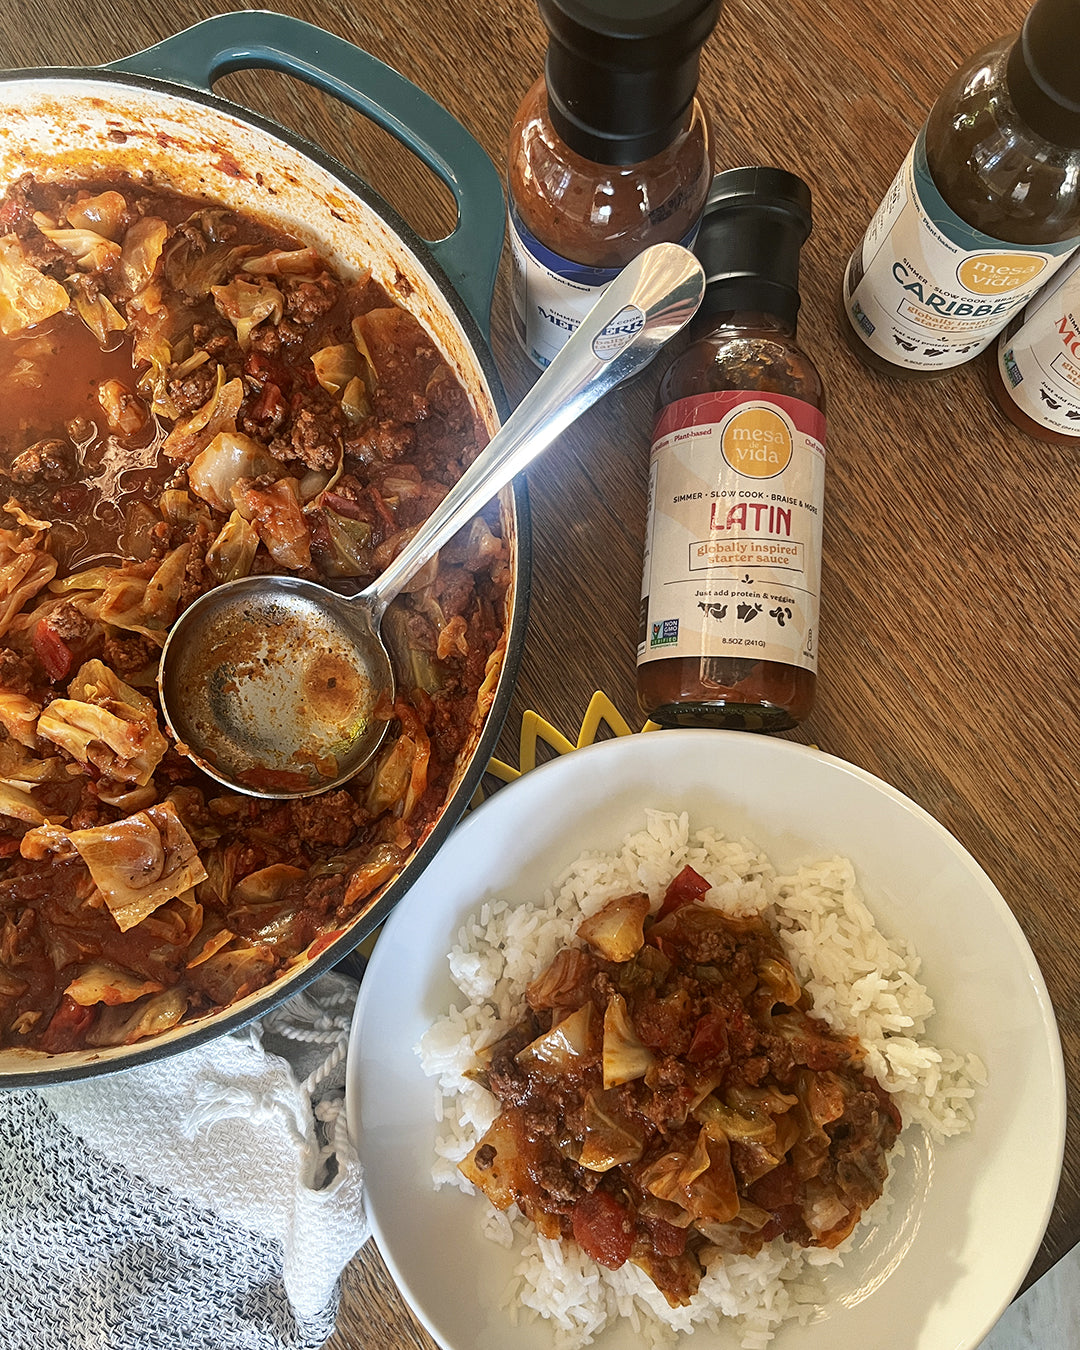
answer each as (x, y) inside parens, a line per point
(731, 577)
(610, 151)
(982, 212)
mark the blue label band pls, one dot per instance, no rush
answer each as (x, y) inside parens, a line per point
(579, 273)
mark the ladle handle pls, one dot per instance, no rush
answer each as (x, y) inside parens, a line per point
(650, 301)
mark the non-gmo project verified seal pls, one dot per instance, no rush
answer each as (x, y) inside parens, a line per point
(664, 633)
(1011, 368)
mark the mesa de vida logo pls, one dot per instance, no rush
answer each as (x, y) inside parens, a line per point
(998, 273)
(756, 442)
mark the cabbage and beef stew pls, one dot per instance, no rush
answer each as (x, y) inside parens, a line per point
(667, 1096)
(189, 397)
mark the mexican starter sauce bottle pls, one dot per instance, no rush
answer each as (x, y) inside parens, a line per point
(984, 209)
(610, 151)
(1035, 374)
(731, 578)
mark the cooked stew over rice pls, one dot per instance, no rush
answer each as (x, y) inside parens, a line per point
(667, 1095)
(189, 397)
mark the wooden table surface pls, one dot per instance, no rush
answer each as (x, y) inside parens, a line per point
(949, 618)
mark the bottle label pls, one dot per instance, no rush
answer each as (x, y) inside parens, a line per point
(550, 294)
(925, 290)
(733, 550)
(1040, 363)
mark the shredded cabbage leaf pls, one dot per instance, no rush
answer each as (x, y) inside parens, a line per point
(230, 457)
(192, 434)
(27, 296)
(137, 863)
(107, 725)
(247, 303)
(140, 597)
(102, 983)
(92, 251)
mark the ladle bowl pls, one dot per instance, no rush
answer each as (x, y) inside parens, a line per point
(276, 689)
(277, 686)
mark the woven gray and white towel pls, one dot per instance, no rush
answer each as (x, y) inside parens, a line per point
(209, 1201)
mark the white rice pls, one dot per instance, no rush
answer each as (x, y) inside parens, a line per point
(860, 982)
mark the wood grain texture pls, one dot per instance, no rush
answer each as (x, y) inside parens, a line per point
(949, 623)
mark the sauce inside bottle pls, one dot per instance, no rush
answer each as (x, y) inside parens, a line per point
(732, 567)
(609, 152)
(603, 215)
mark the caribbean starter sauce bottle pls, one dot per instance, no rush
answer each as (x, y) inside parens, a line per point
(610, 151)
(729, 608)
(982, 212)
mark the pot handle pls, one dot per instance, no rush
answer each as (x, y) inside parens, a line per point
(261, 39)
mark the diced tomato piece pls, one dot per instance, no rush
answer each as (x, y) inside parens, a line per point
(787, 1220)
(686, 887)
(342, 505)
(263, 371)
(776, 1189)
(604, 1228)
(269, 406)
(710, 1039)
(382, 511)
(52, 651)
(773, 1229)
(667, 1240)
(70, 1023)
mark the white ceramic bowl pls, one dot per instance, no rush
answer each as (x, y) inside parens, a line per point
(969, 1213)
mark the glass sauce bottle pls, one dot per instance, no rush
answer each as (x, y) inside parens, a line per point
(1035, 371)
(731, 577)
(610, 151)
(983, 211)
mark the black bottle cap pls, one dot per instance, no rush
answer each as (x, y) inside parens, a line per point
(756, 221)
(1043, 71)
(621, 74)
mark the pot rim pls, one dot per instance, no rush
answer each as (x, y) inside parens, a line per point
(264, 1000)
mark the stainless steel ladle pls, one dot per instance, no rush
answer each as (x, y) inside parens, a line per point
(273, 684)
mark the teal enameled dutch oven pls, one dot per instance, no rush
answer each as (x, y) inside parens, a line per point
(155, 113)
